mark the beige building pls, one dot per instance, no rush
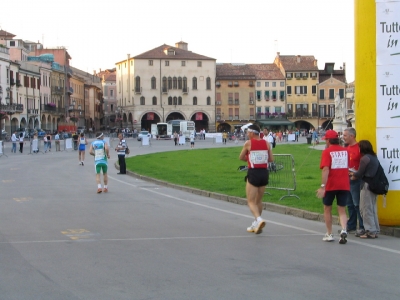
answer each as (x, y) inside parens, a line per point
(235, 102)
(166, 83)
(302, 75)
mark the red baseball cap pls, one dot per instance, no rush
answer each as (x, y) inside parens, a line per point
(330, 134)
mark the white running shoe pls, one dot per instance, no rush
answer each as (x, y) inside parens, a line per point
(252, 228)
(259, 226)
(328, 237)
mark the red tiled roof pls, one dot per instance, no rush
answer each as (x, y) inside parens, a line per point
(298, 62)
(6, 34)
(158, 53)
(248, 71)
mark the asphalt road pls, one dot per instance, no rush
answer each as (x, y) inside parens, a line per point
(59, 239)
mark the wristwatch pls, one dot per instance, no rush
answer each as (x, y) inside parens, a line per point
(322, 185)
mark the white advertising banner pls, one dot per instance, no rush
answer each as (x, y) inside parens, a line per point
(68, 143)
(145, 141)
(182, 140)
(388, 89)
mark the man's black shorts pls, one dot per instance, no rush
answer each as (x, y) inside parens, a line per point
(341, 197)
(257, 177)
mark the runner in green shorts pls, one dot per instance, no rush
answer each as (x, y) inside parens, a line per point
(100, 150)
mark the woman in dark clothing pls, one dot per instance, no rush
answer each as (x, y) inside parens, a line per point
(368, 166)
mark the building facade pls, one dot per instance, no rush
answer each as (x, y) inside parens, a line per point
(166, 83)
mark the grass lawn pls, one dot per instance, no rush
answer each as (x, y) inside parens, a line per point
(215, 170)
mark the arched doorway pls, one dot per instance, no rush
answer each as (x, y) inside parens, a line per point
(148, 119)
(327, 125)
(224, 127)
(201, 120)
(175, 116)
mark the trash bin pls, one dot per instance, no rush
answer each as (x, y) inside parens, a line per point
(309, 138)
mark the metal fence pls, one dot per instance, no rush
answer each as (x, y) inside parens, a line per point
(282, 175)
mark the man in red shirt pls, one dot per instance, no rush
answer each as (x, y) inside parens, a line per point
(257, 152)
(353, 202)
(335, 183)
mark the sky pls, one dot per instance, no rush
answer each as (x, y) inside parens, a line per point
(100, 33)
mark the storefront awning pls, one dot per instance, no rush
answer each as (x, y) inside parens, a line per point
(275, 122)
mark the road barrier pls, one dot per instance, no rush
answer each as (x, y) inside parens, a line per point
(282, 175)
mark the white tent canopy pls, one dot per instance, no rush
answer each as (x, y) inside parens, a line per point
(245, 126)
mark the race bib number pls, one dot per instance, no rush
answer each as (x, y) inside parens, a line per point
(339, 160)
(98, 154)
(259, 157)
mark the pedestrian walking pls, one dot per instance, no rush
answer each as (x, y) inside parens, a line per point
(258, 153)
(192, 140)
(21, 142)
(14, 142)
(121, 148)
(99, 149)
(57, 141)
(82, 148)
(334, 184)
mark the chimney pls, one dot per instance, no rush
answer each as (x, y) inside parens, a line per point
(182, 45)
(315, 62)
(298, 58)
(278, 54)
(94, 72)
(344, 66)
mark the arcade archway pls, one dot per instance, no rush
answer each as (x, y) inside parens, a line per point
(224, 127)
(148, 119)
(201, 120)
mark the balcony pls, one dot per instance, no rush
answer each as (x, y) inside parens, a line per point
(57, 90)
(185, 90)
(12, 81)
(251, 102)
(70, 91)
(48, 108)
(12, 108)
(33, 111)
(236, 102)
(138, 90)
(164, 90)
(230, 102)
(19, 83)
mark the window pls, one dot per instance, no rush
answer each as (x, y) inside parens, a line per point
(301, 90)
(258, 93)
(266, 110)
(236, 98)
(208, 83)
(153, 83)
(194, 83)
(174, 83)
(12, 43)
(111, 93)
(179, 83)
(194, 100)
(322, 94)
(273, 84)
(164, 84)
(230, 98)
(142, 101)
(266, 84)
(150, 62)
(266, 95)
(236, 83)
(251, 83)
(341, 93)
(137, 84)
(184, 84)
(229, 83)
(282, 95)
(179, 100)
(167, 63)
(331, 94)
(314, 89)
(175, 100)
(170, 100)
(274, 95)
(289, 75)
(290, 109)
(154, 100)
(282, 83)
(183, 63)
(289, 90)
(258, 84)
(199, 63)
(278, 109)
(251, 96)
(208, 100)
(169, 83)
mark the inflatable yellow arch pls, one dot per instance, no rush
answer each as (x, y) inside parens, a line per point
(377, 106)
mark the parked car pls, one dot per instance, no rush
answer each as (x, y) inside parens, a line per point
(143, 133)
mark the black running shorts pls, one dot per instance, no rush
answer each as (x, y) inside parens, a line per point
(257, 177)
